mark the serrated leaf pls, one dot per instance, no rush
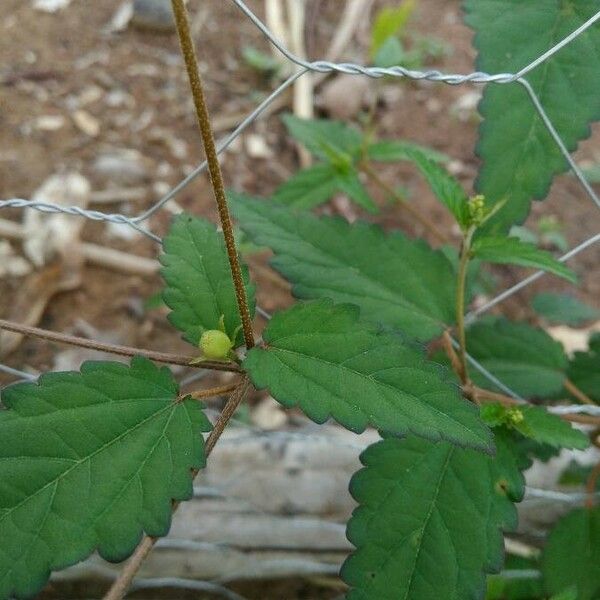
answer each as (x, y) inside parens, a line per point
(537, 423)
(319, 357)
(308, 187)
(524, 358)
(396, 150)
(568, 594)
(584, 369)
(389, 21)
(512, 251)
(446, 189)
(520, 158)
(324, 137)
(89, 461)
(429, 520)
(199, 288)
(563, 308)
(572, 554)
(398, 282)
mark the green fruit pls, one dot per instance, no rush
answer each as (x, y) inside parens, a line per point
(215, 344)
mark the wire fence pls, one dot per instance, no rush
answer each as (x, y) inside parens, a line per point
(304, 67)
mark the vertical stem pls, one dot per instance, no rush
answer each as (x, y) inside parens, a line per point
(214, 169)
(465, 252)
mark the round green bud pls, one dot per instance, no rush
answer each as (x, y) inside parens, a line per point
(215, 344)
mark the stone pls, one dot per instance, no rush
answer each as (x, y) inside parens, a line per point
(153, 15)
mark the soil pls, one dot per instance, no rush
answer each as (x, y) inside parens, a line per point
(50, 62)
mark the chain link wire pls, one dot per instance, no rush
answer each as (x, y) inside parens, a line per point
(321, 66)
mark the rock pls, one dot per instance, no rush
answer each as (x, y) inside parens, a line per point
(11, 264)
(346, 95)
(154, 15)
(465, 108)
(48, 123)
(122, 166)
(121, 18)
(50, 6)
(86, 123)
(257, 146)
(47, 235)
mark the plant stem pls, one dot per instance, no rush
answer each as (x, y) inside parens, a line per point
(591, 486)
(72, 340)
(451, 353)
(390, 191)
(212, 392)
(465, 252)
(216, 177)
(120, 586)
(487, 396)
(573, 389)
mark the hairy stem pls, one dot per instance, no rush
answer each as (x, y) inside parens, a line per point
(72, 340)
(390, 191)
(465, 252)
(214, 168)
(120, 586)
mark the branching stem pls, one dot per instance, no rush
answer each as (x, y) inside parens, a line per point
(72, 340)
(214, 168)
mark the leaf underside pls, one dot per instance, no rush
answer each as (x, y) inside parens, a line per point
(319, 357)
(520, 158)
(199, 288)
(400, 283)
(429, 520)
(90, 461)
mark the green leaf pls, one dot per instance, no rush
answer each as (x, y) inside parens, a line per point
(398, 282)
(429, 520)
(261, 61)
(319, 357)
(389, 22)
(390, 54)
(584, 369)
(572, 554)
(309, 187)
(199, 289)
(524, 358)
(563, 308)
(89, 461)
(512, 251)
(520, 158)
(396, 150)
(568, 594)
(325, 138)
(536, 423)
(350, 184)
(446, 189)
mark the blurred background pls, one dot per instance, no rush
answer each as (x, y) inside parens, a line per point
(95, 112)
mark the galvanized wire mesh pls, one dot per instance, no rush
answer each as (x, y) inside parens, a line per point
(304, 67)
